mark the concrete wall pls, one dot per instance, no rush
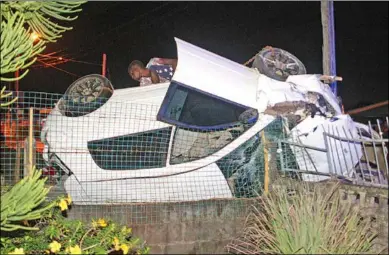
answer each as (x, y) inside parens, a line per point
(208, 226)
(182, 228)
(374, 204)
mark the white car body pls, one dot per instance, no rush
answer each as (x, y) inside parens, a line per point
(135, 110)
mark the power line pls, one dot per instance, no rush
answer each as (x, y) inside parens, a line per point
(60, 69)
(369, 107)
(112, 41)
(62, 60)
(50, 58)
(125, 24)
(48, 55)
(48, 64)
(84, 62)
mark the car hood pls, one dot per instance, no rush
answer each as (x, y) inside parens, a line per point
(208, 72)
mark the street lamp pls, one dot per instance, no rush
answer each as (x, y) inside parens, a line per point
(34, 36)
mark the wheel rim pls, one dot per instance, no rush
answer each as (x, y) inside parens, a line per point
(282, 63)
(86, 91)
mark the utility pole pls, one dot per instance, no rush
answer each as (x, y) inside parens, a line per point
(104, 66)
(328, 25)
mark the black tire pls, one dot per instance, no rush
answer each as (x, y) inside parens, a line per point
(86, 95)
(278, 64)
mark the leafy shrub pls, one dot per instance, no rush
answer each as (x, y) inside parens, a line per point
(23, 207)
(308, 222)
(59, 235)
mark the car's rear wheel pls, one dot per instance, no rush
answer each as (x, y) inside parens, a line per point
(86, 95)
(278, 64)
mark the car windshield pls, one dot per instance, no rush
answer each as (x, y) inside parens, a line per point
(190, 108)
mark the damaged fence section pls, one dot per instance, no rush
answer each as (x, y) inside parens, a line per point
(359, 157)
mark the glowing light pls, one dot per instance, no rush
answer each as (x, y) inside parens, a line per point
(34, 36)
(60, 58)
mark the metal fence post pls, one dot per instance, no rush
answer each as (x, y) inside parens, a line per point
(266, 159)
(30, 140)
(327, 147)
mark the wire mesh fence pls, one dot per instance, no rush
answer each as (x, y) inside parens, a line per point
(119, 153)
(17, 123)
(116, 153)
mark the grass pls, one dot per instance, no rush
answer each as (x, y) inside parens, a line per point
(311, 221)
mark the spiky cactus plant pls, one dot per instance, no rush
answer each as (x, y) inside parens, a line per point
(23, 202)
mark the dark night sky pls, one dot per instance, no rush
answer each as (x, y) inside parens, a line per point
(235, 30)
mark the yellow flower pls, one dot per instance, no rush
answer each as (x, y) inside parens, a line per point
(126, 231)
(100, 223)
(63, 205)
(17, 251)
(124, 248)
(74, 250)
(69, 199)
(54, 247)
(116, 243)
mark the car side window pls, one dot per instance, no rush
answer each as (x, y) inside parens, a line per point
(135, 151)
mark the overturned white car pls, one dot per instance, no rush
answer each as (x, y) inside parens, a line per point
(196, 137)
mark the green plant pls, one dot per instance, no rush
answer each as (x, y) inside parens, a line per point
(59, 235)
(18, 50)
(23, 202)
(4, 96)
(312, 221)
(38, 14)
(19, 20)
